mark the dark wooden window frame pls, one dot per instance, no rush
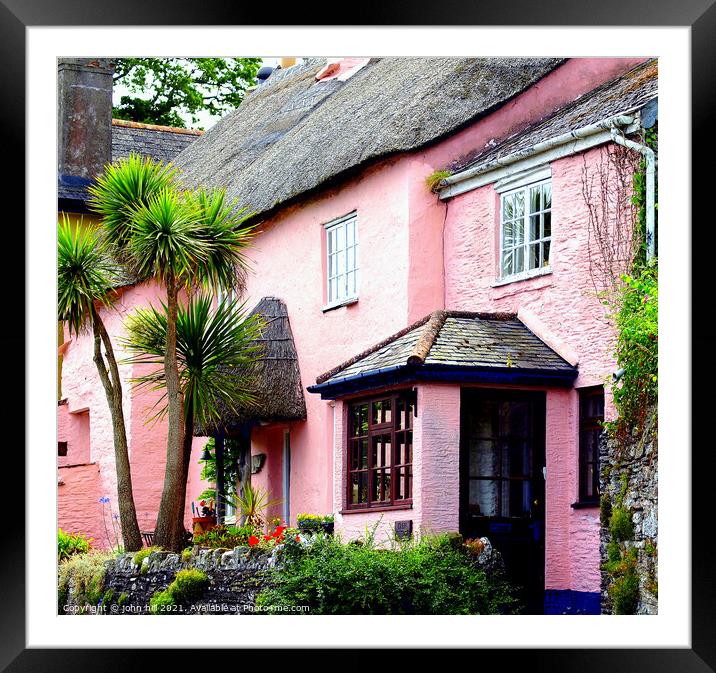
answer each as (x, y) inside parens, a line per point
(376, 430)
(589, 424)
(61, 448)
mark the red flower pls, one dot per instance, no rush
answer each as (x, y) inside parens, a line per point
(267, 537)
(253, 541)
(298, 538)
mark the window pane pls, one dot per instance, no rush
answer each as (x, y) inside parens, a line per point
(516, 498)
(483, 497)
(359, 487)
(331, 241)
(547, 224)
(351, 259)
(402, 486)
(534, 256)
(547, 195)
(350, 232)
(340, 237)
(507, 266)
(520, 204)
(381, 451)
(331, 290)
(534, 227)
(350, 283)
(516, 459)
(508, 235)
(381, 486)
(341, 261)
(403, 448)
(535, 200)
(519, 259)
(508, 208)
(381, 412)
(545, 253)
(483, 458)
(360, 419)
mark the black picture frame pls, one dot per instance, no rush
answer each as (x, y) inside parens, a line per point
(700, 15)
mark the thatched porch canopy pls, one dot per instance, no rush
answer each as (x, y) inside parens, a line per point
(275, 378)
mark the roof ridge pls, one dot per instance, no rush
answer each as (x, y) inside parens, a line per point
(155, 127)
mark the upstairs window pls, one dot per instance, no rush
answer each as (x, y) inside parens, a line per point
(526, 230)
(342, 260)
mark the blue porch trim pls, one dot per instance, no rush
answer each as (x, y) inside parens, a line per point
(335, 388)
(568, 602)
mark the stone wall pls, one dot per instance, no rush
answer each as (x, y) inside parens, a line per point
(629, 479)
(236, 576)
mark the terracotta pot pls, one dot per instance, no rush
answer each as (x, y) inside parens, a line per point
(202, 524)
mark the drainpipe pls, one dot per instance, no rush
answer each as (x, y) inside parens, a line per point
(650, 157)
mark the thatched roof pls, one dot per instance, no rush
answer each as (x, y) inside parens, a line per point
(293, 133)
(276, 379)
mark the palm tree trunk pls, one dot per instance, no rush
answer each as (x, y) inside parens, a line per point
(169, 531)
(131, 537)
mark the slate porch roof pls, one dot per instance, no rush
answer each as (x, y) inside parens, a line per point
(453, 346)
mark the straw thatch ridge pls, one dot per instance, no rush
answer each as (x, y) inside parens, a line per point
(294, 134)
(275, 378)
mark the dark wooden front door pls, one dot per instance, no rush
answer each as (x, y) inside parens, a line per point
(502, 457)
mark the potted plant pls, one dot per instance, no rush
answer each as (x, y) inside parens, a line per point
(309, 523)
(203, 517)
(327, 524)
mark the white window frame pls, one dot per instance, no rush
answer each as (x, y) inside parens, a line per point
(338, 268)
(523, 185)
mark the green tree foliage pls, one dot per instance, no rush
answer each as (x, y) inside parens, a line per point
(167, 87)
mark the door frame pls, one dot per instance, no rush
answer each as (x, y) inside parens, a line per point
(470, 395)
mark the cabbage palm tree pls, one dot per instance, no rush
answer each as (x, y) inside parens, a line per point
(182, 240)
(215, 353)
(84, 279)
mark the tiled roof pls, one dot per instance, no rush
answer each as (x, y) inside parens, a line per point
(622, 95)
(455, 340)
(161, 143)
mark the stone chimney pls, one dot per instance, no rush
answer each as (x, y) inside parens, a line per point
(84, 117)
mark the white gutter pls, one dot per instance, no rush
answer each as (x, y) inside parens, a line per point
(560, 146)
(650, 157)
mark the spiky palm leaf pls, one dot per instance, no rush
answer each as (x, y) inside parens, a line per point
(223, 228)
(122, 187)
(167, 238)
(215, 348)
(84, 273)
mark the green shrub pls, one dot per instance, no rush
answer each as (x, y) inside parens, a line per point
(69, 544)
(123, 599)
(85, 572)
(108, 597)
(621, 526)
(188, 585)
(637, 352)
(605, 510)
(430, 576)
(186, 555)
(624, 592)
(160, 601)
(433, 180)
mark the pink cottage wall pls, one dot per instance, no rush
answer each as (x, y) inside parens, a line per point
(564, 305)
(288, 261)
(405, 260)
